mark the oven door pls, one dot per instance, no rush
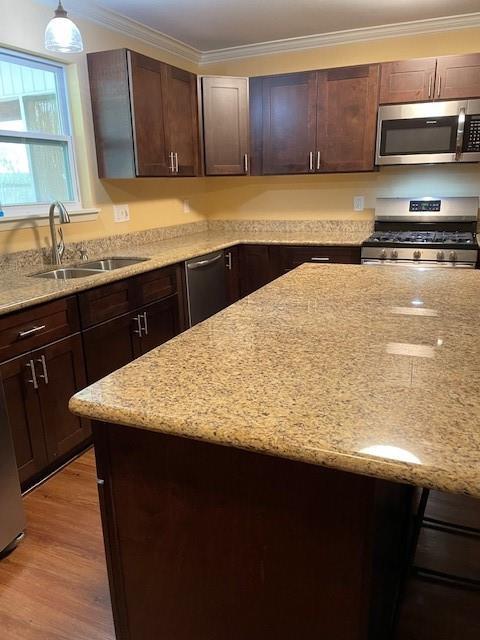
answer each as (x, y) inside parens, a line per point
(425, 133)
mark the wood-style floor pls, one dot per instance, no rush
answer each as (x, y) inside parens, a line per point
(54, 585)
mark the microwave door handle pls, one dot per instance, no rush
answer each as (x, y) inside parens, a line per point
(460, 132)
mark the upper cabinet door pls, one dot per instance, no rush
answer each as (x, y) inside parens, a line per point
(283, 120)
(347, 114)
(458, 77)
(225, 125)
(147, 97)
(181, 120)
(407, 81)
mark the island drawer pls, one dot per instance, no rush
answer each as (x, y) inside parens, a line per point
(37, 326)
(449, 553)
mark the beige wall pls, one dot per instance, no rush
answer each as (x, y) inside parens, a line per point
(159, 202)
(155, 202)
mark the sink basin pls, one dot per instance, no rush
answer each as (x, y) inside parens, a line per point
(67, 273)
(109, 264)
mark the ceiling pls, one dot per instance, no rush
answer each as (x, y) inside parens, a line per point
(216, 24)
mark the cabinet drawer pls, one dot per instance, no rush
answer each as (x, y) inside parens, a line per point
(155, 285)
(449, 553)
(294, 256)
(106, 302)
(25, 330)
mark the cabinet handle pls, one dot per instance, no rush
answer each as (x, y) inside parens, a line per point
(245, 162)
(323, 259)
(138, 330)
(430, 86)
(319, 160)
(43, 375)
(176, 162)
(31, 365)
(310, 160)
(460, 134)
(145, 322)
(228, 257)
(31, 332)
(171, 155)
(439, 86)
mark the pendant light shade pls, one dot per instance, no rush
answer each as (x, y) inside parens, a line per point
(62, 34)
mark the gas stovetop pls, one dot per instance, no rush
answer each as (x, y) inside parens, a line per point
(459, 239)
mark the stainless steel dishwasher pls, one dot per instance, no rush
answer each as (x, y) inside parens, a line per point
(206, 286)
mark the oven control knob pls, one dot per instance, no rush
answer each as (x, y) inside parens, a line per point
(394, 254)
(417, 255)
(440, 255)
(383, 254)
(453, 256)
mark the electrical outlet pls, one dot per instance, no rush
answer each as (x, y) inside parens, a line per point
(186, 206)
(121, 213)
(358, 203)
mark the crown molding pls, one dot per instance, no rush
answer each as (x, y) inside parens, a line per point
(88, 10)
(348, 36)
(114, 21)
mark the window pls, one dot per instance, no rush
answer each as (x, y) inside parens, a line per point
(36, 151)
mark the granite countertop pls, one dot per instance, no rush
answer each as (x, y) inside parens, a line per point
(18, 290)
(370, 370)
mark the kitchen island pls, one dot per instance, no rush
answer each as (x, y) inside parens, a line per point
(256, 473)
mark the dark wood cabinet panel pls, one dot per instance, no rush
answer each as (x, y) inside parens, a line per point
(23, 411)
(225, 112)
(61, 373)
(25, 330)
(232, 264)
(110, 346)
(462, 561)
(453, 510)
(181, 119)
(155, 285)
(283, 121)
(148, 99)
(407, 81)
(458, 77)
(347, 118)
(255, 268)
(160, 322)
(112, 114)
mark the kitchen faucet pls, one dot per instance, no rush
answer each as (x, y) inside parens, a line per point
(58, 248)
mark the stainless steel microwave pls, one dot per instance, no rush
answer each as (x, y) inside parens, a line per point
(429, 132)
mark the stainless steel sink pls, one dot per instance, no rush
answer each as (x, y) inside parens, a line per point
(67, 273)
(109, 264)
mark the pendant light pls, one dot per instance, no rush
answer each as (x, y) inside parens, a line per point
(62, 34)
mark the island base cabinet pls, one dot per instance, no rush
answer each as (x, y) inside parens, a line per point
(213, 543)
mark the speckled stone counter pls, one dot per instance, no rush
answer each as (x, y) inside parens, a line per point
(370, 370)
(18, 290)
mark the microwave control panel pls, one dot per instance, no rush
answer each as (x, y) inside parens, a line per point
(472, 134)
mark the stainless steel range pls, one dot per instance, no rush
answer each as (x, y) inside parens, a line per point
(427, 232)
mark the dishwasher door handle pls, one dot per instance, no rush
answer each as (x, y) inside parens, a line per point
(204, 263)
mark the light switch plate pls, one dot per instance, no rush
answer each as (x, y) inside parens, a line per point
(186, 206)
(358, 203)
(121, 213)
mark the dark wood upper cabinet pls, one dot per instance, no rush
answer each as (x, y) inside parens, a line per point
(225, 115)
(144, 116)
(347, 118)
(458, 77)
(407, 81)
(283, 114)
(181, 120)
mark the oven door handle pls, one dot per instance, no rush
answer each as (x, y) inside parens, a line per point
(460, 133)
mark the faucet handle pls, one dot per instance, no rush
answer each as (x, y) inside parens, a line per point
(83, 254)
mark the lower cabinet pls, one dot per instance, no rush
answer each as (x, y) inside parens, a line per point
(38, 386)
(115, 343)
(256, 267)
